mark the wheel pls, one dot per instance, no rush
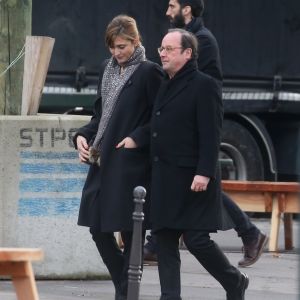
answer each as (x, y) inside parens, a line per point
(240, 155)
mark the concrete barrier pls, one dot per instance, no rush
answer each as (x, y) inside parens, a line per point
(40, 189)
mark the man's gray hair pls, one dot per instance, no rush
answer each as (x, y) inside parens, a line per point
(188, 40)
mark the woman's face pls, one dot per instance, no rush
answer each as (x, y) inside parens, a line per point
(122, 50)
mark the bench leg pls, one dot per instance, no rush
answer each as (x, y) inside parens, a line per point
(288, 231)
(25, 284)
(22, 277)
(275, 223)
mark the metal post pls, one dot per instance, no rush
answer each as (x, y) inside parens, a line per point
(135, 263)
(15, 24)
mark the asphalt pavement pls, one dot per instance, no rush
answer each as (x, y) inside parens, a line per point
(274, 277)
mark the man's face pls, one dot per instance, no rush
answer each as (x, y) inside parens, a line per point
(172, 56)
(174, 13)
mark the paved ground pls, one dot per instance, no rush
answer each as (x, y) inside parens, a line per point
(273, 277)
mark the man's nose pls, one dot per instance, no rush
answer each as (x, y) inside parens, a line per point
(168, 12)
(162, 53)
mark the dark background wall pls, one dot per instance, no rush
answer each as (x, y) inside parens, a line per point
(79, 26)
(257, 38)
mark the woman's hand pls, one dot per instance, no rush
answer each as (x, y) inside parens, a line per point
(127, 143)
(83, 148)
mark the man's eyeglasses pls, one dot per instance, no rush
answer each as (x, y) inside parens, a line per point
(168, 49)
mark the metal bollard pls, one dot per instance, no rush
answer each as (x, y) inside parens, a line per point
(135, 262)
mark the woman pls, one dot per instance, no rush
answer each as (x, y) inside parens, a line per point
(115, 142)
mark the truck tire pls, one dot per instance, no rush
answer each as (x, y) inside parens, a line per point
(240, 155)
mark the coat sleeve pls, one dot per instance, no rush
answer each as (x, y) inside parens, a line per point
(141, 135)
(209, 119)
(90, 130)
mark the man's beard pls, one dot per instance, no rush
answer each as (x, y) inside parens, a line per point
(178, 21)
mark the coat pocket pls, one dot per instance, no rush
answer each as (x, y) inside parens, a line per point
(133, 156)
(138, 150)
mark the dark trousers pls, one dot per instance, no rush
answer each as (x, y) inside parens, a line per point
(116, 260)
(243, 225)
(205, 251)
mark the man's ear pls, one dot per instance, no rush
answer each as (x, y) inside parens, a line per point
(187, 10)
(188, 53)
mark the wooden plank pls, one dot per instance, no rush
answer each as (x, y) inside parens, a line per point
(15, 24)
(275, 223)
(20, 254)
(16, 269)
(250, 201)
(265, 186)
(278, 197)
(25, 286)
(288, 231)
(269, 201)
(38, 50)
(16, 262)
(22, 277)
(291, 203)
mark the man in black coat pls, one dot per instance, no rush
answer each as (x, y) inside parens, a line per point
(185, 190)
(188, 14)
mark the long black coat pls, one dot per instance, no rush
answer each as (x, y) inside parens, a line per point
(107, 196)
(185, 138)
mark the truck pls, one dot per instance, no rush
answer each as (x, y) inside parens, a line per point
(259, 44)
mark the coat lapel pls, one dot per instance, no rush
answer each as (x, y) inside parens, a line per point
(169, 91)
(171, 88)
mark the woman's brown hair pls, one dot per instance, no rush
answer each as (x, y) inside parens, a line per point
(122, 26)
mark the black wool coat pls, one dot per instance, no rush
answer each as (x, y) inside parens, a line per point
(185, 138)
(107, 196)
(209, 61)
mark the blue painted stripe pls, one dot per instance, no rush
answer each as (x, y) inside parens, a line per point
(39, 207)
(48, 155)
(51, 185)
(60, 168)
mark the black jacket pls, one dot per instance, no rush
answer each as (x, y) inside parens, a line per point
(107, 199)
(185, 138)
(209, 61)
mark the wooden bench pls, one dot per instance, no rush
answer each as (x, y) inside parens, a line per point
(16, 262)
(275, 197)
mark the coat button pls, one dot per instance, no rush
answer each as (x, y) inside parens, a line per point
(158, 113)
(154, 134)
(155, 159)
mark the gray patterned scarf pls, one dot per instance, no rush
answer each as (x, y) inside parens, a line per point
(113, 82)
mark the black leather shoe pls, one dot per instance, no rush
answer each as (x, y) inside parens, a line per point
(239, 292)
(253, 250)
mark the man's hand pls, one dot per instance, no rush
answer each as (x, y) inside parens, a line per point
(83, 148)
(200, 183)
(127, 143)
